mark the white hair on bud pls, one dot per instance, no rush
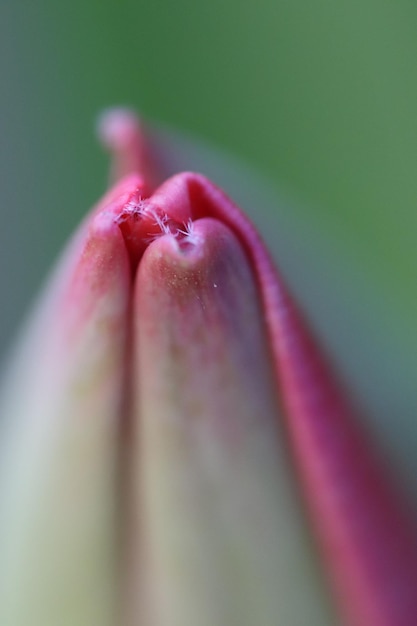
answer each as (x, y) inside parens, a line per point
(189, 234)
(133, 209)
(162, 221)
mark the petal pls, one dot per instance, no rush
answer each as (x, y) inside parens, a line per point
(62, 404)
(217, 535)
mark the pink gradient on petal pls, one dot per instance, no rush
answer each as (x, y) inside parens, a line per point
(103, 255)
(217, 526)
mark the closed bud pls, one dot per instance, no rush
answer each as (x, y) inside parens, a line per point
(176, 449)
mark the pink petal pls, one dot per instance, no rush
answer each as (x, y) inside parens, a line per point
(216, 534)
(61, 412)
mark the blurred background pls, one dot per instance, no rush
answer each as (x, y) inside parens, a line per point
(319, 97)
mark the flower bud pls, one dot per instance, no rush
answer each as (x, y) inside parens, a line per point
(176, 448)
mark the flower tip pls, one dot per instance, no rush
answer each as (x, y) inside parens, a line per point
(121, 132)
(117, 128)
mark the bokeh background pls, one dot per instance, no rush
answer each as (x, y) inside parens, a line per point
(318, 96)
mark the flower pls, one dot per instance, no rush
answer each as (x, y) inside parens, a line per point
(165, 403)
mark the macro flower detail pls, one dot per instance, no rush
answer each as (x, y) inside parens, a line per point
(176, 450)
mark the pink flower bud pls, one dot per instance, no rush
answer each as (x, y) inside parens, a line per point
(165, 404)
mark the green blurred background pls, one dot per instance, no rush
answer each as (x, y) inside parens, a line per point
(319, 95)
